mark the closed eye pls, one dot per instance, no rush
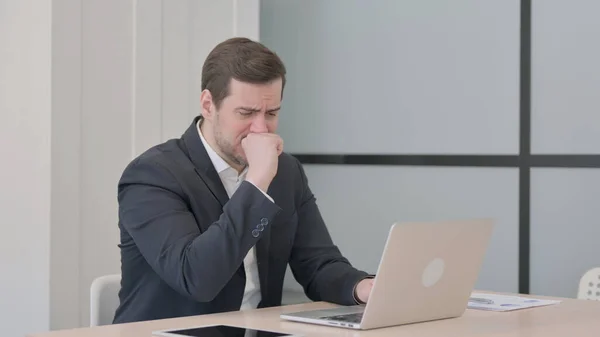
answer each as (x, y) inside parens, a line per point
(274, 111)
(244, 111)
(247, 111)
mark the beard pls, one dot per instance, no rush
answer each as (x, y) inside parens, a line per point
(226, 147)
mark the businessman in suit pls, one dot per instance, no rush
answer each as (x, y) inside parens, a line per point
(210, 221)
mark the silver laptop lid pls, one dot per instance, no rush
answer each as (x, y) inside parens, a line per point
(427, 271)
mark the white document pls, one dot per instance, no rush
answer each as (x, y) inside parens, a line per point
(481, 301)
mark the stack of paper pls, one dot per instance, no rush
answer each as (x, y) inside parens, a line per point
(492, 302)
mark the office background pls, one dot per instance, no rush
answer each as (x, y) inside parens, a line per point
(401, 110)
(406, 110)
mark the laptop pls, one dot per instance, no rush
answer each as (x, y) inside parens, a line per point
(427, 272)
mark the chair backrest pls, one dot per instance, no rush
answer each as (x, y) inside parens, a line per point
(104, 299)
(589, 285)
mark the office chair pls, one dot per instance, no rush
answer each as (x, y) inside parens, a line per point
(589, 285)
(104, 299)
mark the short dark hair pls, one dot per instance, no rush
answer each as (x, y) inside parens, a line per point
(242, 59)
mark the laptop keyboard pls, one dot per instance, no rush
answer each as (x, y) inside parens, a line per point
(352, 318)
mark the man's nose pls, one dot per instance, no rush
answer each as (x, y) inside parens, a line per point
(259, 124)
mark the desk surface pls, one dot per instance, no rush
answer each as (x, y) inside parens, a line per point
(568, 318)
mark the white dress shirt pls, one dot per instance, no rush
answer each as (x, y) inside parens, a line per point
(231, 181)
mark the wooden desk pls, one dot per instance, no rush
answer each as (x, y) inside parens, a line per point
(569, 318)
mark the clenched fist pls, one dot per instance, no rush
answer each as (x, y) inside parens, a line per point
(262, 152)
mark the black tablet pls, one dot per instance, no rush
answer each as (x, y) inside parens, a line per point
(221, 331)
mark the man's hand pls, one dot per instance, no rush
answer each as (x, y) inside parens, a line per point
(363, 289)
(262, 152)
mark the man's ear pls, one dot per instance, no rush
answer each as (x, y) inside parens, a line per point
(206, 104)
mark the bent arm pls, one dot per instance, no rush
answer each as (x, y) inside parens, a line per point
(198, 265)
(316, 262)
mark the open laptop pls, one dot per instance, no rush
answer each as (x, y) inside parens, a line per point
(427, 272)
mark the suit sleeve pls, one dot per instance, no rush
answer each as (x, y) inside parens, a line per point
(315, 261)
(157, 217)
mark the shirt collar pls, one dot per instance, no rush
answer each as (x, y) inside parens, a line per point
(218, 162)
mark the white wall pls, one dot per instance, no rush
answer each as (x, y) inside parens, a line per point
(110, 79)
(66, 194)
(25, 107)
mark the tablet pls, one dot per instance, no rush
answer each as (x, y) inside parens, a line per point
(221, 331)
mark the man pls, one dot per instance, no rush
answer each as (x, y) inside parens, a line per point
(210, 221)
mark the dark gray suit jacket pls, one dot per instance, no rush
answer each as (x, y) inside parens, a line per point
(183, 240)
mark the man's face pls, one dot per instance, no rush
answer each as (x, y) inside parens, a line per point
(249, 108)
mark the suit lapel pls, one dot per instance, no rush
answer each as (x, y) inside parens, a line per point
(203, 164)
(212, 180)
